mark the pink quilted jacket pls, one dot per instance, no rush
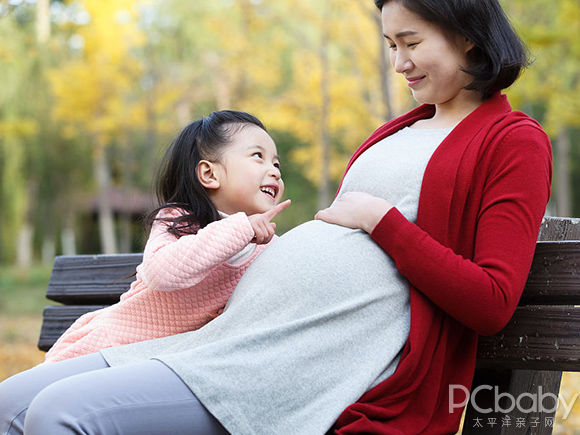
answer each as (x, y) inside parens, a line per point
(182, 284)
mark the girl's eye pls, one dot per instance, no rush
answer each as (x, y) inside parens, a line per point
(277, 165)
(257, 153)
(412, 44)
(392, 46)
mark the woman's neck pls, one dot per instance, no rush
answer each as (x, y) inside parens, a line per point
(451, 113)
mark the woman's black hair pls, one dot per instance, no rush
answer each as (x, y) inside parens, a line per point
(177, 184)
(498, 55)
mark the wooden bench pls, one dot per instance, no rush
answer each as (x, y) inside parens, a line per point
(523, 361)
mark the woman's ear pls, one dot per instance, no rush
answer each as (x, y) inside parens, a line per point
(208, 175)
(468, 45)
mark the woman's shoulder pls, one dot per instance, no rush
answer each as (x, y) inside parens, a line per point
(518, 127)
(512, 136)
(518, 138)
(515, 127)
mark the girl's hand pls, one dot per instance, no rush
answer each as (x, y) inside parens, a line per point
(355, 210)
(263, 228)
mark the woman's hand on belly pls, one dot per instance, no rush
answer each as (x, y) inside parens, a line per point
(357, 210)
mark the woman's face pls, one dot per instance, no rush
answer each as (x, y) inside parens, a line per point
(429, 59)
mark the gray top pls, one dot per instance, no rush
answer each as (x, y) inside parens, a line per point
(318, 319)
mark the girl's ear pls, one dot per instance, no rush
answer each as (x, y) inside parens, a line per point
(207, 174)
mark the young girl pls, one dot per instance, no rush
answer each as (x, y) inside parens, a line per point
(219, 186)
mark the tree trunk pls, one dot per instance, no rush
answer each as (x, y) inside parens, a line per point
(25, 239)
(127, 180)
(150, 100)
(126, 233)
(68, 242)
(324, 188)
(24, 246)
(563, 188)
(42, 21)
(221, 86)
(384, 70)
(48, 249)
(67, 236)
(105, 209)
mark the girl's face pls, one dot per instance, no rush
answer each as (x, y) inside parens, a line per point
(248, 173)
(429, 59)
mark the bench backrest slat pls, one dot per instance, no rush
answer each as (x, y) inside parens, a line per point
(57, 319)
(537, 338)
(559, 228)
(539, 341)
(91, 279)
(555, 274)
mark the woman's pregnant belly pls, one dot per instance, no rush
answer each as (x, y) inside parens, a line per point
(322, 314)
(319, 268)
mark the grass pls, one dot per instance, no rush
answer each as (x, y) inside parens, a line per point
(21, 303)
(22, 290)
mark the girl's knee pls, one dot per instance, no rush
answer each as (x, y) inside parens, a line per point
(42, 414)
(13, 404)
(52, 410)
(18, 392)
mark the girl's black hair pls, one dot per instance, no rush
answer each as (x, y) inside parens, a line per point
(177, 184)
(498, 55)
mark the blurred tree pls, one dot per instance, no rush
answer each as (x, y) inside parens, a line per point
(125, 75)
(323, 78)
(93, 92)
(550, 87)
(17, 127)
(42, 21)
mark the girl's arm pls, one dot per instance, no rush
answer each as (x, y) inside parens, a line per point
(481, 293)
(171, 263)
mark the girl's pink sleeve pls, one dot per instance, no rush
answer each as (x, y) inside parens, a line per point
(171, 263)
(481, 293)
(65, 347)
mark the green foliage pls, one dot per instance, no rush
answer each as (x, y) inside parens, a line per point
(550, 88)
(298, 188)
(551, 31)
(17, 124)
(23, 291)
(127, 75)
(575, 171)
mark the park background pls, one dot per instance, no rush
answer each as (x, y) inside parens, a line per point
(93, 91)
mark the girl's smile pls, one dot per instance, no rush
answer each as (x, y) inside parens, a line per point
(270, 190)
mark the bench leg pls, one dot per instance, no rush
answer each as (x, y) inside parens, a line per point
(488, 411)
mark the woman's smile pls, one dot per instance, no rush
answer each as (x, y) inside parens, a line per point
(414, 81)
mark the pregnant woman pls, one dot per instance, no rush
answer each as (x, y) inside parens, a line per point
(359, 321)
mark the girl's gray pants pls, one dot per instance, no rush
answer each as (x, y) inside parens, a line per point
(85, 396)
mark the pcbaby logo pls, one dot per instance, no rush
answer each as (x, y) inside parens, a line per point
(525, 402)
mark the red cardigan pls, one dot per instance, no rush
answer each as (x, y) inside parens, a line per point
(482, 199)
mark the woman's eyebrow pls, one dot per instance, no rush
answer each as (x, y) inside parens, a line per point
(402, 34)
